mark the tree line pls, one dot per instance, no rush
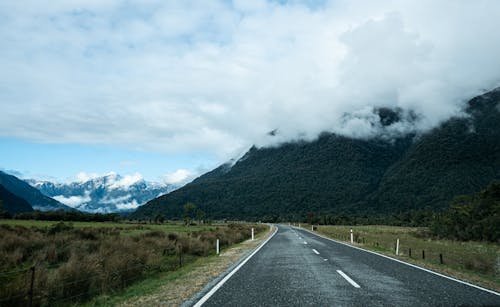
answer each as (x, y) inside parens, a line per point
(61, 215)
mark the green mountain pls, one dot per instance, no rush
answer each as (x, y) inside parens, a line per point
(11, 203)
(33, 196)
(336, 174)
(460, 157)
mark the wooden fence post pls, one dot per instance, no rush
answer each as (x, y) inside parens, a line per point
(32, 285)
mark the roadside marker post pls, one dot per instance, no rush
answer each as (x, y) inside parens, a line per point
(352, 237)
(252, 234)
(397, 247)
(217, 246)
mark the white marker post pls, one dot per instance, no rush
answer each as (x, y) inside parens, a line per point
(217, 246)
(397, 247)
(312, 228)
(299, 225)
(352, 237)
(252, 234)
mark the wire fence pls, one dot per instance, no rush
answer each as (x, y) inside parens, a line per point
(70, 291)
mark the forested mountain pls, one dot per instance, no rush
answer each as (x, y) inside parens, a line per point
(336, 174)
(34, 197)
(11, 203)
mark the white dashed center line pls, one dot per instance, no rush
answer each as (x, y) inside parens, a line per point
(315, 251)
(305, 242)
(352, 282)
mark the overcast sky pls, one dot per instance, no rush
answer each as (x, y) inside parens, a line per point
(170, 89)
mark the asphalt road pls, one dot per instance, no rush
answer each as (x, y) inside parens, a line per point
(297, 268)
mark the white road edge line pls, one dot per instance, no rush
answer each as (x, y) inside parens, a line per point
(223, 281)
(352, 282)
(406, 263)
(315, 251)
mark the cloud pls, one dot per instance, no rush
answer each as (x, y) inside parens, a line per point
(118, 182)
(178, 177)
(12, 172)
(74, 201)
(216, 76)
(127, 206)
(84, 177)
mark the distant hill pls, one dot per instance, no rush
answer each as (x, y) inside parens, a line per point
(35, 198)
(11, 203)
(106, 194)
(336, 174)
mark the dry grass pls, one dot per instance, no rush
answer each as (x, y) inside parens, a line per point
(477, 262)
(173, 289)
(75, 264)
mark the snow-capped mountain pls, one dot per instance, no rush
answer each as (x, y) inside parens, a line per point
(109, 193)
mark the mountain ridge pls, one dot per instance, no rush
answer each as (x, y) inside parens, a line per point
(105, 194)
(337, 174)
(33, 196)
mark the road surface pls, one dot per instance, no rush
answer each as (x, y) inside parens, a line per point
(297, 268)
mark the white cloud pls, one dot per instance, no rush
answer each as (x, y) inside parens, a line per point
(125, 182)
(126, 206)
(84, 177)
(178, 177)
(73, 201)
(217, 76)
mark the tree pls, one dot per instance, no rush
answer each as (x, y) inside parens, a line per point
(4, 213)
(200, 215)
(189, 211)
(159, 218)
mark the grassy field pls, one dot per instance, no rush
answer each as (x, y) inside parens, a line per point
(75, 262)
(126, 228)
(477, 262)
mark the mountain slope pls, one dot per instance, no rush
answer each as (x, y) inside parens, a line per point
(460, 157)
(34, 197)
(11, 203)
(336, 174)
(110, 193)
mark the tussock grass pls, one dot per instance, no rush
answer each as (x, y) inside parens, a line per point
(74, 264)
(478, 262)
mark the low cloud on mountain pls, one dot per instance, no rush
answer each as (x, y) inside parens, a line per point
(73, 201)
(216, 76)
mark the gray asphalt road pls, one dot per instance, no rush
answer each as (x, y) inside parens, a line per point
(296, 268)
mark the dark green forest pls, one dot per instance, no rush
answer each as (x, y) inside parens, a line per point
(409, 177)
(474, 217)
(11, 204)
(62, 215)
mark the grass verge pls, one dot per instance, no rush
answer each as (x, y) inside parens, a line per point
(173, 288)
(474, 262)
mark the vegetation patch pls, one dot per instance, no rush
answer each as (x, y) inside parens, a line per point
(73, 264)
(474, 261)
